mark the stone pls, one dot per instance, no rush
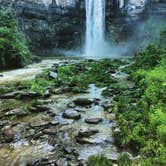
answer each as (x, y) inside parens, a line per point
(82, 102)
(106, 105)
(111, 117)
(30, 133)
(42, 108)
(53, 75)
(17, 112)
(87, 132)
(83, 141)
(110, 140)
(47, 94)
(61, 121)
(54, 122)
(39, 121)
(49, 131)
(20, 94)
(3, 122)
(8, 135)
(71, 114)
(68, 150)
(93, 120)
(62, 162)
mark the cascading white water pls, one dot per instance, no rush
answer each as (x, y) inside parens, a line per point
(95, 28)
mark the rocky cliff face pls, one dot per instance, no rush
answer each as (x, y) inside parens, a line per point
(49, 24)
(60, 24)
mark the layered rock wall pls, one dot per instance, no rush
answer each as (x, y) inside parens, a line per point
(60, 24)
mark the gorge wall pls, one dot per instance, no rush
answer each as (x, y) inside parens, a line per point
(60, 24)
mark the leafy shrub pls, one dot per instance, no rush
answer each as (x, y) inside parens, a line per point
(142, 122)
(13, 47)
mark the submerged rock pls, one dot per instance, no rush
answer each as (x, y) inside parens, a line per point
(61, 121)
(71, 114)
(93, 120)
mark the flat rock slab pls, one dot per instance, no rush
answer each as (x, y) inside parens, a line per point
(40, 121)
(87, 132)
(84, 140)
(21, 94)
(71, 114)
(17, 112)
(93, 120)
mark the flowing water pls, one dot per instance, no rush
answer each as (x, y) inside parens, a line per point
(95, 28)
(46, 137)
(30, 71)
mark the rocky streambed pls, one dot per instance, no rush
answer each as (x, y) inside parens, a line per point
(61, 128)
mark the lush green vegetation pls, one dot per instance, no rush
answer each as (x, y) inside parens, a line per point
(99, 160)
(141, 111)
(13, 47)
(75, 77)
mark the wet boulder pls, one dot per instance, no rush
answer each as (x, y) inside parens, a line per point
(82, 102)
(93, 120)
(71, 114)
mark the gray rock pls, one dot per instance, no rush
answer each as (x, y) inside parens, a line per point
(3, 122)
(71, 114)
(39, 124)
(87, 132)
(53, 75)
(93, 120)
(54, 122)
(17, 112)
(20, 94)
(49, 131)
(40, 121)
(84, 140)
(62, 162)
(61, 121)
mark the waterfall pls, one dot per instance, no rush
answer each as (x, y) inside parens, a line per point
(95, 28)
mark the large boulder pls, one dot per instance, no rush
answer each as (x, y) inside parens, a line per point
(71, 114)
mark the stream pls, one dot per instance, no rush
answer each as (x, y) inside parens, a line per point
(64, 129)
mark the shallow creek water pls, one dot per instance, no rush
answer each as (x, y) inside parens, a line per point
(47, 137)
(30, 71)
